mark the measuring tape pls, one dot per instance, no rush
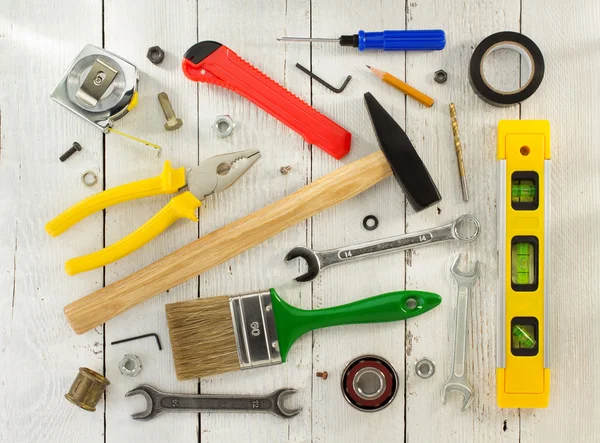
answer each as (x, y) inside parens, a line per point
(101, 88)
(522, 373)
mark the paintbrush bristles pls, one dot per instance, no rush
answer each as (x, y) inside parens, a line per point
(202, 337)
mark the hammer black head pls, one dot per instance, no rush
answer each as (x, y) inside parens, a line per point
(409, 170)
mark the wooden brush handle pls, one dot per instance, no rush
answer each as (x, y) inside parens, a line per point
(226, 242)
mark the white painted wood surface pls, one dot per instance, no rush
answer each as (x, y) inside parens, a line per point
(39, 354)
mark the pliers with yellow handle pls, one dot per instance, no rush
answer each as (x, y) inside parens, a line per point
(213, 175)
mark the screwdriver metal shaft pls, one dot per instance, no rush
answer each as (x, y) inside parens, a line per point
(307, 39)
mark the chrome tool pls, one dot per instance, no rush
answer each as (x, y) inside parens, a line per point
(458, 380)
(160, 402)
(319, 260)
(213, 175)
(98, 86)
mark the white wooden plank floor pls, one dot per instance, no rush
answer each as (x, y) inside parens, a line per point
(39, 353)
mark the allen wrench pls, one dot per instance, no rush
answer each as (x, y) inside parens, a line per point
(323, 82)
(138, 337)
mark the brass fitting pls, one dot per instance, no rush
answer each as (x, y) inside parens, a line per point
(87, 389)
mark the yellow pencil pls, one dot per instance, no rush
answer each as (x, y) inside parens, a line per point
(403, 87)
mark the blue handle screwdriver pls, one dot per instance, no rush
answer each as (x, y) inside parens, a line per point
(402, 40)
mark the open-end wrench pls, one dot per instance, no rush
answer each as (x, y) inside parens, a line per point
(458, 380)
(160, 402)
(319, 260)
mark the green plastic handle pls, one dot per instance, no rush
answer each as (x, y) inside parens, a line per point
(291, 323)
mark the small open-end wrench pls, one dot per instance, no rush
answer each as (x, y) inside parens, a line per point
(319, 260)
(160, 402)
(458, 380)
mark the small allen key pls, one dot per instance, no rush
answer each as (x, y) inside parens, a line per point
(459, 156)
(323, 82)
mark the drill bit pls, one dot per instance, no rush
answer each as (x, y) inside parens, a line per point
(459, 157)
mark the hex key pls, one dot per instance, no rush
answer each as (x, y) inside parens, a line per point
(323, 82)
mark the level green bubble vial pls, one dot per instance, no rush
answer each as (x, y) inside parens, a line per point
(523, 265)
(523, 336)
(523, 191)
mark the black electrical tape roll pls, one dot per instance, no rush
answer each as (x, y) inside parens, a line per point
(506, 40)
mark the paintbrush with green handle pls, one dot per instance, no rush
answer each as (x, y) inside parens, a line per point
(222, 334)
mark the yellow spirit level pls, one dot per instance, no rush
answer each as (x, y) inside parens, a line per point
(522, 373)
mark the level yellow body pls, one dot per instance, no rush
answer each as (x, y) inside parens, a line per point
(522, 373)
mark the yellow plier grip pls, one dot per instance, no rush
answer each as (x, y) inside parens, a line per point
(181, 206)
(168, 182)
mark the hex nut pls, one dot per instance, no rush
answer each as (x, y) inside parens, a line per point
(424, 368)
(130, 365)
(156, 55)
(223, 125)
(440, 76)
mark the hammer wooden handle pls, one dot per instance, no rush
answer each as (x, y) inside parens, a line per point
(226, 242)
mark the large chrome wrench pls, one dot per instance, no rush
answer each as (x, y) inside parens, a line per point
(319, 260)
(458, 380)
(160, 402)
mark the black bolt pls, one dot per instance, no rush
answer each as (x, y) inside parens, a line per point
(72, 150)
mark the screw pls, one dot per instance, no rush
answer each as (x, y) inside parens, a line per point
(72, 150)
(323, 375)
(458, 149)
(172, 121)
(285, 169)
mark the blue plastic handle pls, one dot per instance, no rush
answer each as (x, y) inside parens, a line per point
(405, 40)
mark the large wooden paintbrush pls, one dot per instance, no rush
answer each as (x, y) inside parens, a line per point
(222, 334)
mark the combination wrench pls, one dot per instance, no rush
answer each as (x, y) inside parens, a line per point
(458, 380)
(160, 402)
(319, 260)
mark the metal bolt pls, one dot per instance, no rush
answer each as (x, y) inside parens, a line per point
(323, 375)
(285, 169)
(72, 150)
(172, 121)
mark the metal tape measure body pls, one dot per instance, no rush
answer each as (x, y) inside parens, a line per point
(115, 78)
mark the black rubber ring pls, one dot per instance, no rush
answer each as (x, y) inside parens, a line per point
(370, 227)
(495, 97)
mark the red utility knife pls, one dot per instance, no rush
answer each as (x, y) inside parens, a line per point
(212, 62)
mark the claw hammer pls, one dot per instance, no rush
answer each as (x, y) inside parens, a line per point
(397, 157)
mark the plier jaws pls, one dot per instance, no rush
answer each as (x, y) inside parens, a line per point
(215, 174)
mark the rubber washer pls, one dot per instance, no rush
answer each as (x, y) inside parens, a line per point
(530, 53)
(378, 364)
(366, 224)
